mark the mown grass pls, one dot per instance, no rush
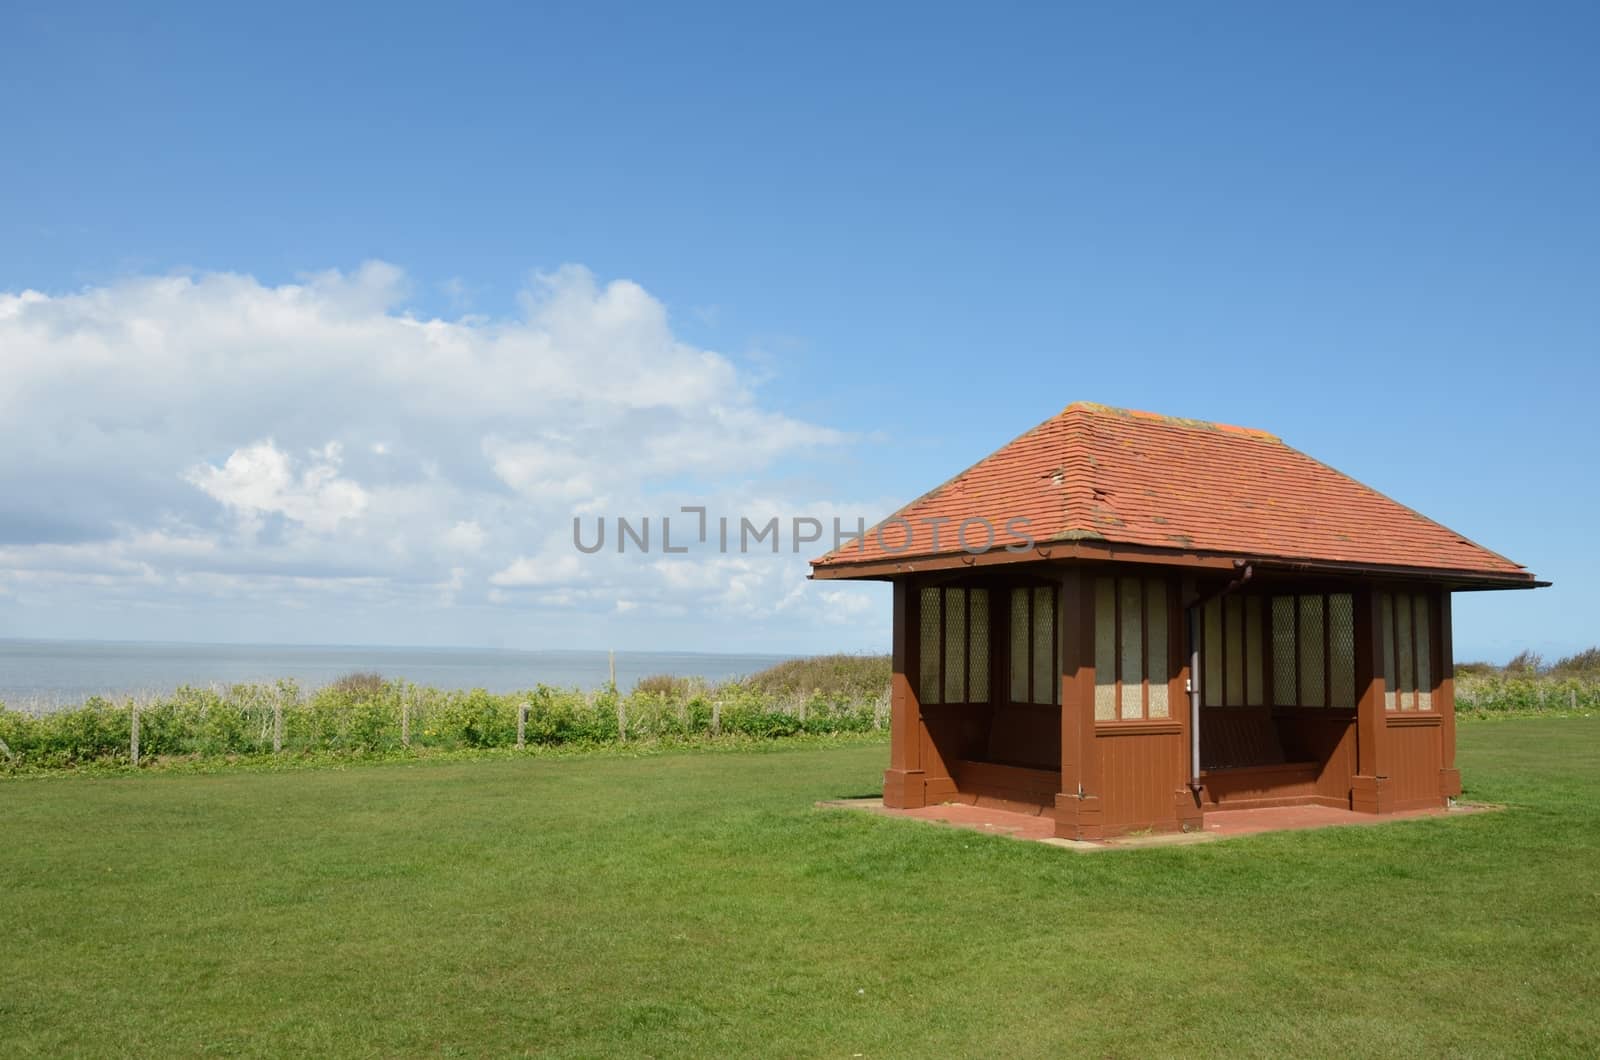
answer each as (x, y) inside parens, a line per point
(696, 904)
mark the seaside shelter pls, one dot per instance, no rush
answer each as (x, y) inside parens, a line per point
(1122, 620)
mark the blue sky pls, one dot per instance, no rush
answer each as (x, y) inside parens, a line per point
(879, 241)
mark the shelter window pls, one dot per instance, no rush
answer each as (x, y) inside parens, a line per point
(1298, 649)
(1405, 631)
(1035, 677)
(954, 646)
(1132, 661)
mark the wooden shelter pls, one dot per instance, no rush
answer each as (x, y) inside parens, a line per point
(1122, 620)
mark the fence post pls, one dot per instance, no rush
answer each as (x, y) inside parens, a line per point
(716, 718)
(522, 726)
(877, 713)
(622, 720)
(612, 656)
(133, 732)
(277, 722)
(802, 711)
(405, 717)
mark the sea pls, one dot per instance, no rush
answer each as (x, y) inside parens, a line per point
(41, 675)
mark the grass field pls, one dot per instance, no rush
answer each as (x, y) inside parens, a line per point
(695, 903)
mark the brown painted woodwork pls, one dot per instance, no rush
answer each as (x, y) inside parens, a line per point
(1444, 697)
(1414, 754)
(1370, 788)
(903, 785)
(1103, 778)
(1141, 769)
(1078, 803)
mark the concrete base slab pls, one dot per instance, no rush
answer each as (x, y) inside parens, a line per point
(1219, 824)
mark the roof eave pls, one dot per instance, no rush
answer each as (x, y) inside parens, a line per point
(887, 569)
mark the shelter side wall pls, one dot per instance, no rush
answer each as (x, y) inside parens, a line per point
(1415, 757)
(1141, 773)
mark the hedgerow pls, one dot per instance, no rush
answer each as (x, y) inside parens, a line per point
(374, 716)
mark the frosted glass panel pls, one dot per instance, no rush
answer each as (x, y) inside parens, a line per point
(1105, 649)
(1386, 634)
(1342, 642)
(955, 645)
(928, 647)
(1233, 635)
(1132, 592)
(1402, 633)
(1158, 664)
(1312, 661)
(1285, 660)
(1046, 682)
(1424, 654)
(978, 646)
(1019, 645)
(1211, 653)
(1254, 694)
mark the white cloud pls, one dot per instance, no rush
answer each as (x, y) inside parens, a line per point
(526, 571)
(314, 444)
(465, 536)
(260, 479)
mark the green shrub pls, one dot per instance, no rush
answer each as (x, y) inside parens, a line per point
(364, 714)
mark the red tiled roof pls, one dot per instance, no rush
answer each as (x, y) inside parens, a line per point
(1121, 477)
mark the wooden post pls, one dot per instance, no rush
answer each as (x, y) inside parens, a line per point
(801, 711)
(277, 721)
(522, 726)
(904, 782)
(612, 657)
(1078, 806)
(877, 713)
(405, 718)
(133, 732)
(716, 718)
(1444, 701)
(622, 720)
(1370, 789)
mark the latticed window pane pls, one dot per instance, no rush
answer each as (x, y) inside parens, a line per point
(928, 690)
(1312, 646)
(1424, 654)
(955, 645)
(1342, 642)
(1233, 623)
(1132, 592)
(1045, 681)
(1254, 695)
(1284, 659)
(1158, 664)
(1105, 649)
(978, 645)
(1402, 633)
(1211, 651)
(1391, 701)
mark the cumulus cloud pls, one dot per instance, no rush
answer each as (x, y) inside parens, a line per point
(208, 436)
(260, 478)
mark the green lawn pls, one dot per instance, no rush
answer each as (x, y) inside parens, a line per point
(695, 903)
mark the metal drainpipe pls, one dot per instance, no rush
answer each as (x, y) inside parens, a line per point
(1194, 671)
(1194, 700)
